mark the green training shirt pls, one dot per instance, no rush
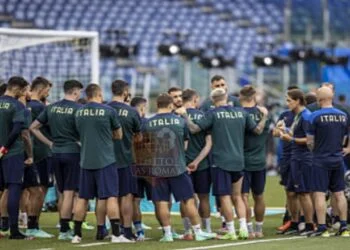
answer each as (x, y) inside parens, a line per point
(96, 123)
(60, 117)
(255, 145)
(131, 124)
(227, 126)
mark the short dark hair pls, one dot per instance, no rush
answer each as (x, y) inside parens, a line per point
(40, 83)
(70, 85)
(3, 89)
(292, 87)
(164, 100)
(216, 78)
(188, 94)
(137, 100)
(92, 90)
(310, 98)
(82, 101)
(297, 94)
(174, 89)
(17, 82)
(118, 87)
(247, 91)
(342, 98)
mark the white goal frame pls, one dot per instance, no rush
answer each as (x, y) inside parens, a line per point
(38, 36)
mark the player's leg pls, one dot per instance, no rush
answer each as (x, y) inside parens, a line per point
(161, 197)
(186, 222)
(13, 176)
(4, 214)
(87, 191)
(202, 183)
(337, 186)
(23, 209)
(143, 187)
(100, 212)
(66, 168)
(222, 188)
(320, 188)
(258, 187)
(335, 212)
(245, 196)
(127, 189)
(44, 168)
(293, 200)
(182, 188)
(237, 180)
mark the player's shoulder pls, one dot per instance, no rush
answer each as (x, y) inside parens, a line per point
(306, 113)
(194, 111)
(251, 110)
(35, 104)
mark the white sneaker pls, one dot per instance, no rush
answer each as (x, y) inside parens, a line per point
(121, 239)
(76, 239)
(301, 226)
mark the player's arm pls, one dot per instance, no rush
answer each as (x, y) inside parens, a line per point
(15, 132)
(202, 155)
(193, 128)
(310, 142)
(35, 130)
(118, 134)
(261, 125)
(346, 149)
(138, 137)
(28, 146)
(287, 137)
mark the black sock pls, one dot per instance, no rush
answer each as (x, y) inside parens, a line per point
(128, 232)
(100, 229)
(64, 225)
(286, 217)
(115, 224)
(309, 227)
(77, 228)
(4, 223)
(294, 225)
(32, 221)
(14, 229)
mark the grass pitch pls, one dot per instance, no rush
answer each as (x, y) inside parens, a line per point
(274, 198)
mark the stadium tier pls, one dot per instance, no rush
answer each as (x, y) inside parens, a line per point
(146, 21)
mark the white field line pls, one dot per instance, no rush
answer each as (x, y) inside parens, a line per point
(93, 244)
(241, 243)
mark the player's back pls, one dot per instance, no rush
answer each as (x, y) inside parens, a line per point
(131, 123)
(255, 145)
(228, 125)
(60, 117)
(167, 133)
(11, 111)
(94, 122)
(40, 150)
(329, 126)
(196, 141)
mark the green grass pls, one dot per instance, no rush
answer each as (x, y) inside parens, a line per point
(274, 198)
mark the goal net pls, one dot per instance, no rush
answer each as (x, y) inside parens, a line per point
(55, 55)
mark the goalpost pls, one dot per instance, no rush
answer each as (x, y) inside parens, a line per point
(54, 54)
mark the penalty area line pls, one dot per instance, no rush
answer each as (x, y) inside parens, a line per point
(242, 243)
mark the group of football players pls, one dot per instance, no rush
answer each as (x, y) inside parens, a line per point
(90, 151)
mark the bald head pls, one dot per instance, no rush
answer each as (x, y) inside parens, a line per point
(325, 96)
